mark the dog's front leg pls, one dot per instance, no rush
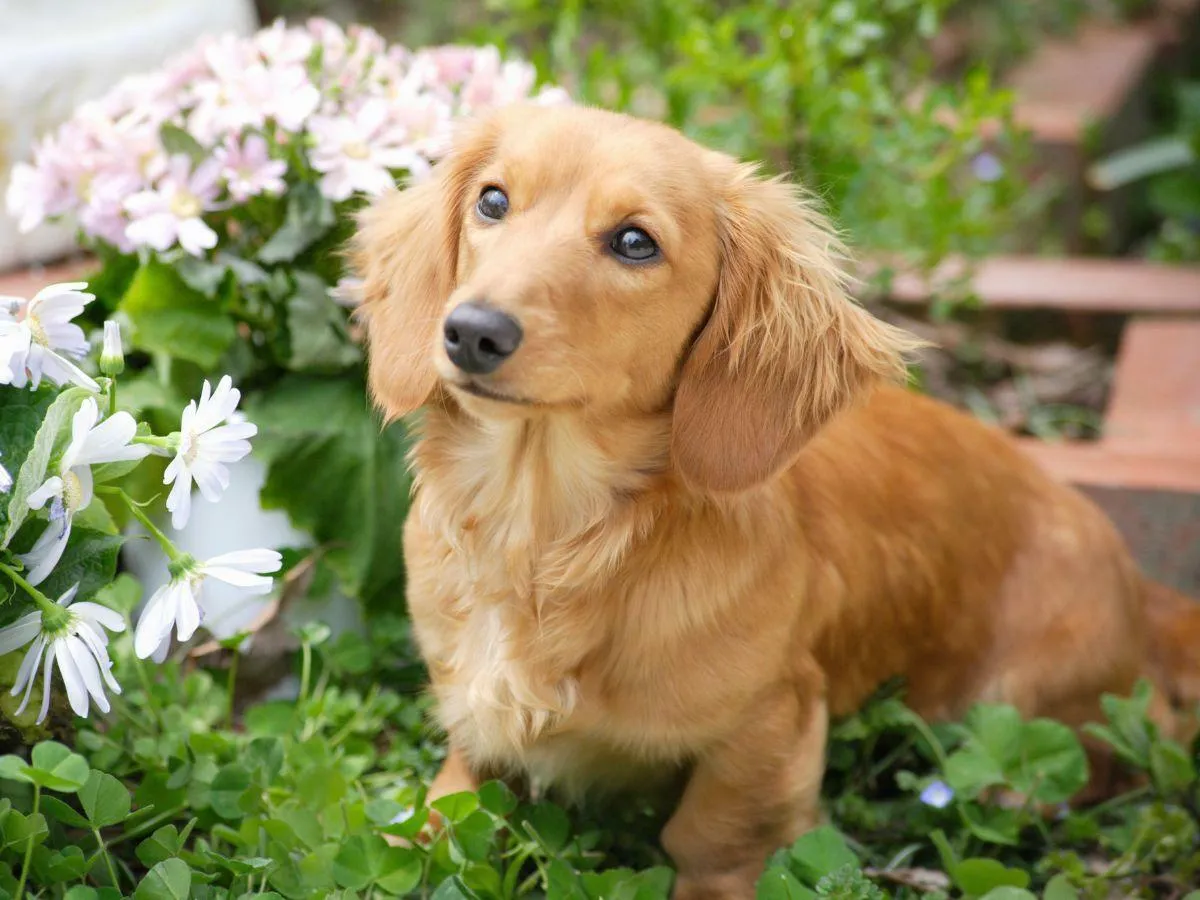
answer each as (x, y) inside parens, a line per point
(454, 776)
(750, 794)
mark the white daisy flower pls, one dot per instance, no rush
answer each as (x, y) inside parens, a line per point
(179, 604)
(71, 489)
(76, 640)
(210, 437)
(38, 338)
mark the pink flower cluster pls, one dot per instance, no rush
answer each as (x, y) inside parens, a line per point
(359, 110)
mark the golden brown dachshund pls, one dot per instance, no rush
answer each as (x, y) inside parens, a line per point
(672, 512)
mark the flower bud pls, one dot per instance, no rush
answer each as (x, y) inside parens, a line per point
(112, 359)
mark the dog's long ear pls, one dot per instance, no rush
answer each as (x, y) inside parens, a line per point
(406, 252)
(784, 350)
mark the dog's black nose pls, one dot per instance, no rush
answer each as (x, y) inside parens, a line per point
(479, 337)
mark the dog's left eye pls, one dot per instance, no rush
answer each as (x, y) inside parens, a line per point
(493, 204)
(633, 244)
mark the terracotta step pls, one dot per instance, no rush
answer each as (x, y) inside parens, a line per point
(1152, 425)
(27, 282)
(1155, 397)
(1096, 463)
(1071, 84)
(1075, 284)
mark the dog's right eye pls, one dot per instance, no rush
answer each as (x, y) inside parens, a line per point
(493, 204)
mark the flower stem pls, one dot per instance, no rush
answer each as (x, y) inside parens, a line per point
(233, 668)
(174, 554)
(37, 799)
(112, 398)
(112, 872)
(43, 602)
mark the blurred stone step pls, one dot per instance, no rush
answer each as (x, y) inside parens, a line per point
(28, 281)
(1154, 404)
(1151, 436)
(1072, 284)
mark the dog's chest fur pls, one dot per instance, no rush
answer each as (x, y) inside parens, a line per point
(523, 528)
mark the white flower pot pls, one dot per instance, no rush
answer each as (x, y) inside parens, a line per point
(237, 522)
(58, 53)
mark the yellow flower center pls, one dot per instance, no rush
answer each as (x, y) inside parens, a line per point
(72, 491)
(185, 205)
(356, 149)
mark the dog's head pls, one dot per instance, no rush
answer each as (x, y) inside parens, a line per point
(571, 260)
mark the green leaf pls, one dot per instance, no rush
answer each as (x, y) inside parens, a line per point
(21, 415)
(777, 883)
(1006, 892)
(454, 888)
(309, 217)
(171, 318)
(1152, 157)
(227, 790)
(978, 876)
(52, 434)
(121, 595)
(163, 844)
(317, 329)
(401, 870)
(55, 767)
(170, 879)
(550, 824)
(819, 852)
(20, 831)
(56, 809)
(81, 892)
(1060, 888)
(358, 503)
(362, 860)
(104, 799)
(496, 798)
(177, 141)
(456, 807)
(1171, 769)
(1041, 759)
(475, 835)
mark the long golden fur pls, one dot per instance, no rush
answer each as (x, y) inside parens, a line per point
(690, 520)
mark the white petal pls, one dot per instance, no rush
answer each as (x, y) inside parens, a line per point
(89, 671)
(257, 560)
(46, 551)
(99, 615)
(62, 371)
(179, 501)
(68, 595)
(77, 694)
(95, 641)
(20, 632)
(51, 487)
(187, 617)
(47, 670)
(81, 425)
(27, 674)
(211, 478)
(258, 584)
(109, 441)
(156, 620)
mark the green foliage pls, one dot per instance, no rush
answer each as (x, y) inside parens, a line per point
(839, 93)
(1168, 167)
(300, 801)
(338, 476)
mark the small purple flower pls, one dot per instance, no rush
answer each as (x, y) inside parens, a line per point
(937, 794)
(987, 167)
